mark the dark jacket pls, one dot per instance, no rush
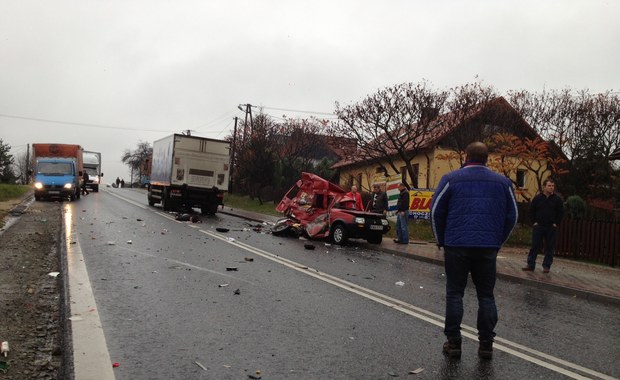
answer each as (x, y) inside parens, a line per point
(473, 207)
(546, 211)
(403, 201)
(379, 202)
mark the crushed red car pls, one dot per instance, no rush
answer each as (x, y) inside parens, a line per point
(317, 208)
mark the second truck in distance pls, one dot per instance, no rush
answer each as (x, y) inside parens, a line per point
(188, 172)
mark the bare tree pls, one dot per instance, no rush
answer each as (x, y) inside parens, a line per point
(21, 166)
(392, 124)
(137, 160)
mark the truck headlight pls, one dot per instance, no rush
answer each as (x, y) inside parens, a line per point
(384, 222)
(359, 220)
(38, 185)
(68, 185)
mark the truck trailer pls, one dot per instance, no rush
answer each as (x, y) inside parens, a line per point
(188, 172)
(92, 166)
(57, 170)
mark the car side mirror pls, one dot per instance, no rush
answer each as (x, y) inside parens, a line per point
(101, 175)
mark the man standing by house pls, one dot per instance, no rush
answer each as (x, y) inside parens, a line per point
(473, 212)
(379, 203)
(402, 215)
(546, 211)
(357, 197)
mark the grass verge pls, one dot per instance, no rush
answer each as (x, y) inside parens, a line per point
(8, 191)
(245, 203)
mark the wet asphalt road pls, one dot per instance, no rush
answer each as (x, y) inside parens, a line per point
(168, 302)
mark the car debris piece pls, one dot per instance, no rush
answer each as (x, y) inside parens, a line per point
(237, 292)
(399, 283)
(5, 349)
(222, 229)
(200, 365)
(309, 246)
(116, 365)
(222, 285)
(249, 259)
(416, 371)
(53, 274)
(129, 242)
(232, 269)
(138, 219)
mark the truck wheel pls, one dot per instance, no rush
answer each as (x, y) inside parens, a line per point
(37, 197)
(77, 194)
(339, 234)
(375, 239)
(209, 209)
(165, 201)
(151, 201)
(72, 197)
(96, 188)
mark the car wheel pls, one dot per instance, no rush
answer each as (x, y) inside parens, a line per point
(282, 227)
(375, 239)
(339, 234)
(37, 197)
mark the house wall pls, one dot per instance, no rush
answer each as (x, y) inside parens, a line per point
(440, 161)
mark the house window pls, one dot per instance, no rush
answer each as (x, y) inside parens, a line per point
(359, 181)
(416, 172)
(520, 179)
(403, 173)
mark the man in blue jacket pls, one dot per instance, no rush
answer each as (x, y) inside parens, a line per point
(473, 212)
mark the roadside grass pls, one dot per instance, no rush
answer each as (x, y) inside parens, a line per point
(419, 230)
(8, 191)
(245, 203)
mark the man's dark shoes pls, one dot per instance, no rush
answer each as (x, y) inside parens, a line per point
(452, 348)
(485, 350)
(528, 269)
(545, 270)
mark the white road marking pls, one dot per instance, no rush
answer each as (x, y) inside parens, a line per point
(127, 200)
(91, 359)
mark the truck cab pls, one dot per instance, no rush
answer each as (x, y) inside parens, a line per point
(56, 178)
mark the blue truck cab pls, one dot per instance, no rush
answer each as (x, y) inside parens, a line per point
(57, 171)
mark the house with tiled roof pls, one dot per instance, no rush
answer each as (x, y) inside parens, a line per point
(441, 150)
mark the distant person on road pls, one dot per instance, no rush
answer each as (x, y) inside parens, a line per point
(118, 182)
(546, 212)
(473, 212)
(379, 203)
(84, 181)
(358, 198)
(402, 215)
(122, 183)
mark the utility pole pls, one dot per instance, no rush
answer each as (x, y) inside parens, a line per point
(248, 111)
(27, 178)
(232, 156)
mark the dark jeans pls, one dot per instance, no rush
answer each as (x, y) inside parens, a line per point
(481, 263)
(540, 234)
(402, 227)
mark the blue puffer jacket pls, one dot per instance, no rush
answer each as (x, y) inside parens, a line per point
(473, 207)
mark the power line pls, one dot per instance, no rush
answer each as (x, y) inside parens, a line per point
(300, 111)
(80, 124)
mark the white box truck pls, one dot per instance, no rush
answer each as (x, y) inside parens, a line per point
(92, 166)
(188, 172)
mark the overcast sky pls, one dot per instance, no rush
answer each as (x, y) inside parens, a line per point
(108, 74)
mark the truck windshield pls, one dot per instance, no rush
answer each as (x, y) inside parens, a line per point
(54, 168)
(90, 171)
